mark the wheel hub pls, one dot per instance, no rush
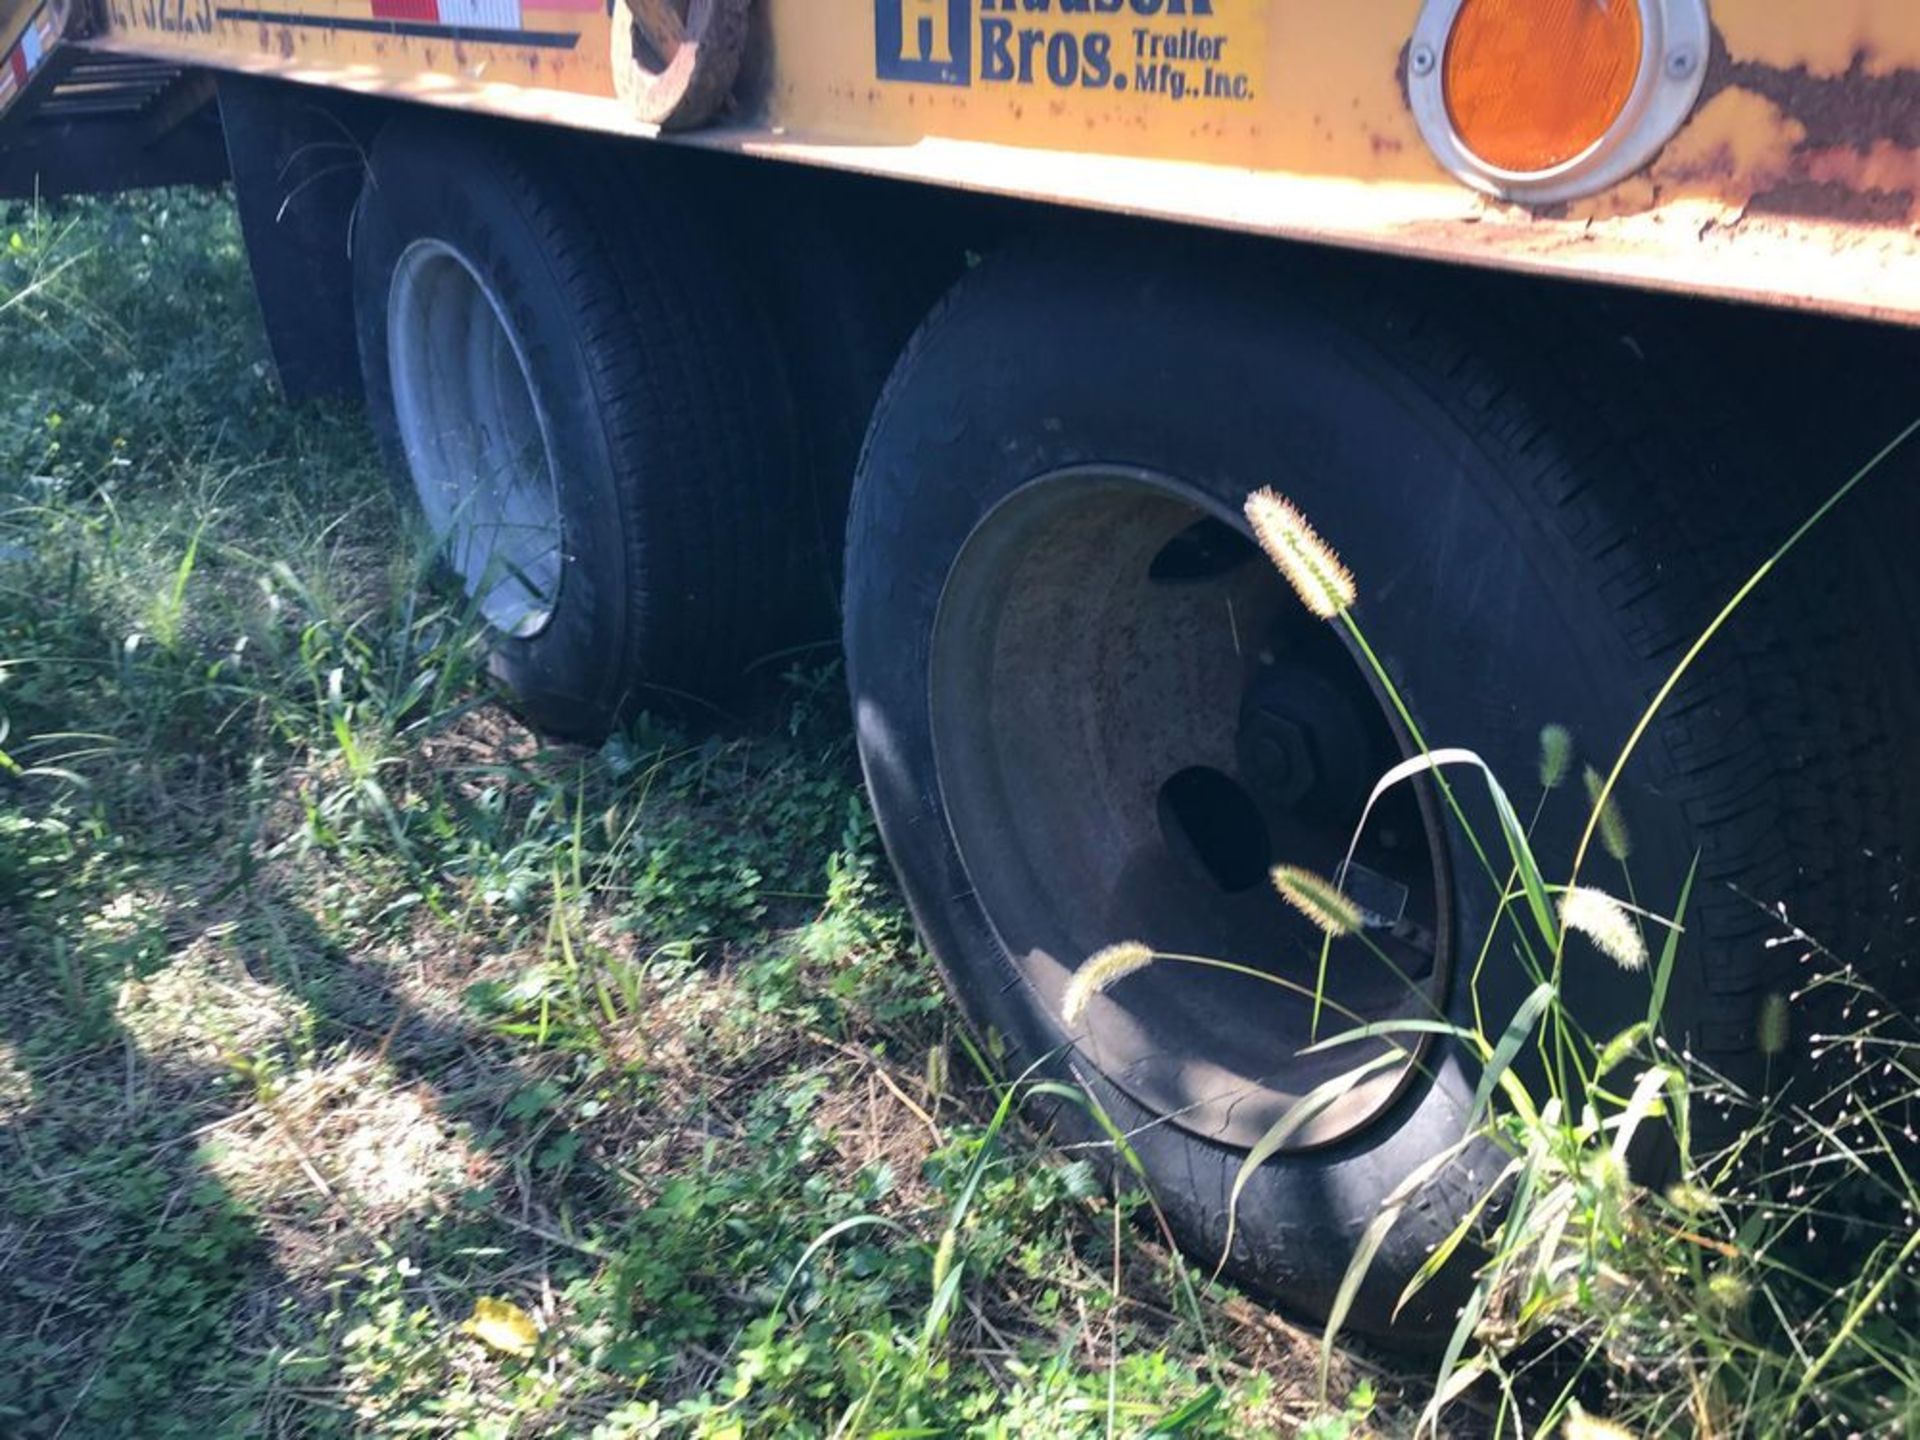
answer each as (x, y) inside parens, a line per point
(1301, 743)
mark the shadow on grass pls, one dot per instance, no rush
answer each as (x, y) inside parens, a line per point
(168, 1219)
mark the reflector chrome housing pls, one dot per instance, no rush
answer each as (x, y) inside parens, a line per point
(1621, 134)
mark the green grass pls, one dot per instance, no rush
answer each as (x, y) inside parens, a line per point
(367, 1066)
(336, 1004)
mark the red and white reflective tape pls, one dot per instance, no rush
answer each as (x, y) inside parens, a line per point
(475, 14)
(27, 53)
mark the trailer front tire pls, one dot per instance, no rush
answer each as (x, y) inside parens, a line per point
(578, 401)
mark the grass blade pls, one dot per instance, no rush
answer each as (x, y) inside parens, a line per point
(1370, 1241)
(1663, 969)
(1517, 1031)
(1532, 883)
(1180, 1421)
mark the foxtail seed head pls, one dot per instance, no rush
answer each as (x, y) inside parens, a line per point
(1324, 585)
(1556, 755)
(1607, 1173)
(1726, 1293)
(1317, 898)
(1690, 1199)
(1579, 1425)
(1098, 972)
(1615, 838)
(1776, 1024)
(1604, 921)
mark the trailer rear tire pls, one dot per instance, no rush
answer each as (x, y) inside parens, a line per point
(574, 395)
(1060, 644)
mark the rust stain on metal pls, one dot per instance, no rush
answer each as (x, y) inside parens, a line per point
(1834, 200)
(1823, 39)
(1858, 106)
(1837, 144)
(1733, 136)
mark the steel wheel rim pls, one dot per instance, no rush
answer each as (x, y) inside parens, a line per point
(1075, 685)
(475, 438)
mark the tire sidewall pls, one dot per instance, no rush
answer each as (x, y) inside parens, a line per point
(1229, 380)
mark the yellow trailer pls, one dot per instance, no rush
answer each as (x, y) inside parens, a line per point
(1768, 150)
(1015, 329)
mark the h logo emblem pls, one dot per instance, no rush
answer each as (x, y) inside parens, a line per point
(927, 41)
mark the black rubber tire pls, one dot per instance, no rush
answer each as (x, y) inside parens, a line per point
(671, 427)
(1539, 525)
(846, 279)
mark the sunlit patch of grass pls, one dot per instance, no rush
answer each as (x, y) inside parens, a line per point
(201, 1006)
(353, 1137)
(16, 1084)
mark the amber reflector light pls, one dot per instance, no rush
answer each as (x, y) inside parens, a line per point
(1532, 83)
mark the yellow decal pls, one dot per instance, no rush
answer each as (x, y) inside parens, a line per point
(1138, 76)
(1171, 50)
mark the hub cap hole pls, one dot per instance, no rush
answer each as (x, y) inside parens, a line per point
(1215, 828)
(1205, 550)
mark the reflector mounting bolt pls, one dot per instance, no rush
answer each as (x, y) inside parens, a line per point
(1420, 60)
(1680, 64)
